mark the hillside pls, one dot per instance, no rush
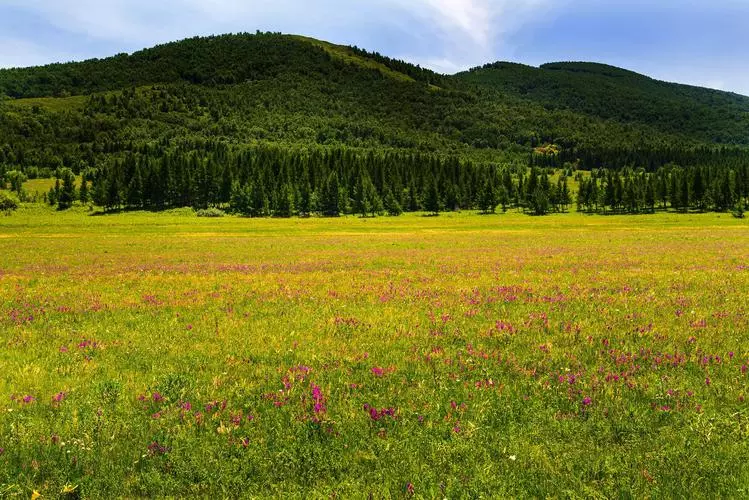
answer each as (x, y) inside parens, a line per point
(299, 91)
(273, 122)
(607, 92)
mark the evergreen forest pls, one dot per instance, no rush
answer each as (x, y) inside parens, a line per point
(278, 125)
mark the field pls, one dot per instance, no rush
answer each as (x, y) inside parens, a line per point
(451, 356)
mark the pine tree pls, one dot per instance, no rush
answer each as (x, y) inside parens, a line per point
(331, 196)
(54, 192)
(241, 199)
(488, 198)
(540, 202)
(259, 204)
(451, 197)
(134, 196)
(650, 193)
(305, 199)
(698, 188)
(66, 196)
(673, 190)
(564, 194)
(661, 190)
(227, 181)
(508, 185)
(391, 205)
(432, 197)
(285, 201)
(503, 198)
(113, 197)
(610, 192)
(583, 195)
(99, 191)
(83, 192)
(684, 192)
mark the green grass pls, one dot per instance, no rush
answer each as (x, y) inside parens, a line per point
(484, 334)
(349, 56)
(73, 103)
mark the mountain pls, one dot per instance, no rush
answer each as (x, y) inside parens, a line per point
(297, 92)
(611, 93)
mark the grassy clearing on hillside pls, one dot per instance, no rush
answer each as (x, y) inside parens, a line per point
(347, 55)
(160, 354)
(52, 103)
(41, 186)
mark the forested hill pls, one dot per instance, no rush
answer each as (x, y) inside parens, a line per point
(287, 121)
(218, 60)
(296, 90)
(613, 93)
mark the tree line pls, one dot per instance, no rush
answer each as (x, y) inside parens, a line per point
(636, 191)
(275, 181)
(270, 181)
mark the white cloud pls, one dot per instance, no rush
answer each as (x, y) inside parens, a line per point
(444, 65)
(474, 31)
(471, 17)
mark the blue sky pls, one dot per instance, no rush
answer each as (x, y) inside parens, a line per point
(701, 42)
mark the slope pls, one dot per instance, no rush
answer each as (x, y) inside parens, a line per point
(297, 92)
(611, 93)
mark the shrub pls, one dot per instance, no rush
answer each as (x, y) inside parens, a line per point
(8, 202)
(210, 212)
(738, 211)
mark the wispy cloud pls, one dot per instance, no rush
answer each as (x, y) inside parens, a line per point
(471, 18)
(474, 31)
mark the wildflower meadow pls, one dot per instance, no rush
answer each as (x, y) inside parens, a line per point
(455, 356)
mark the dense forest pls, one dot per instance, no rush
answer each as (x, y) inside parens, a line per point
(271, 124)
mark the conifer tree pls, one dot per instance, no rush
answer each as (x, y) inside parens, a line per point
(488, 198)
(564, 194)
(432, 197)
(66, 195)
(331, 196)
(135, 189)
(83, 192)
(391, 205)
(650, 193)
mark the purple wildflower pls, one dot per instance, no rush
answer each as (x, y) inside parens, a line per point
(155, 448)
(236, 419)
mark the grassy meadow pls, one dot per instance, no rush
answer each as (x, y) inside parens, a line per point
(453, 356)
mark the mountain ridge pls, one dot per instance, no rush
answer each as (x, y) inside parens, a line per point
(297, 91)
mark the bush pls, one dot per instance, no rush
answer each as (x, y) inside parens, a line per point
(8, 202)
(738, 211)
(210, 212)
